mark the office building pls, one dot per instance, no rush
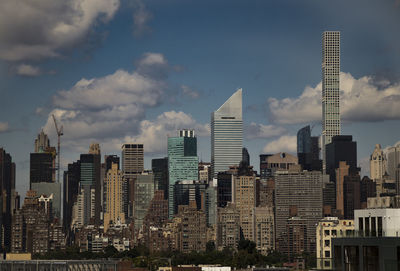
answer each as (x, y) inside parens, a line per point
(42, 167)
(132, 159)
(114, 197)
(270, 163)
(187, 191)
(42, 142)
(245, 156)
(72, 179)
(182, 164)
(393, 161)
(308, 150)
(342, 148)
(8, 194)
(227, 134)
(205, 172)
(144, 192)
(327, 229)
(330, 88)
(224, 188)
(297, 194)
(377, 163)
(90, 181)
(159, 166)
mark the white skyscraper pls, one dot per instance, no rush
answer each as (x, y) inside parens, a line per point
(227, 134)
(330, 88)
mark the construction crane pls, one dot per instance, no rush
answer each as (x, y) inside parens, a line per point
(59, 134)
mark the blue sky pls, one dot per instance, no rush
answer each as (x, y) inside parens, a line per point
(114, 71)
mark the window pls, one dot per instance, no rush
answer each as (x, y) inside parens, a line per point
(326, 232)
(327, 254)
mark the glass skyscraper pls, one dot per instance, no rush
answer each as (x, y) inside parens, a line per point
(330, 88)
(227, 134)
(183, 163)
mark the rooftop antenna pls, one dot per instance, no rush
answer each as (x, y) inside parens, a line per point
(59, 134)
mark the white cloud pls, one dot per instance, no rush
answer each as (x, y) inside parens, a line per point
(141, 17)
(4, 127)
(44, 28)
(361, 100)
(28, 70)
(255, 130)
(286, 143)
(111, 109)
(187, 91)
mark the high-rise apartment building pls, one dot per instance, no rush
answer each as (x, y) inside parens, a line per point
(228, 227)
(377, 163)
(297, 194)
(114, 198)
(264, 234)
(330, 88)
(245, 199)
(183, 163)
(132, 159)
(270, 163)
(227, 134)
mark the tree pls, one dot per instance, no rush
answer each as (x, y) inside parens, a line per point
(210, 246)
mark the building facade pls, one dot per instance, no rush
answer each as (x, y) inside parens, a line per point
(227, 134)
(114, 197)
(330, 88)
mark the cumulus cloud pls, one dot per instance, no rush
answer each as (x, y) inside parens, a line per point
(255, 130)
(28, 70)
(188, 92)
(112, 109)
(141, 17)
(4, 127)
(286, 143)
(361, 100)
(45, 28)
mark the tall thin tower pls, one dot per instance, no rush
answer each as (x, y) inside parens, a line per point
(227, 134)
(330, 88)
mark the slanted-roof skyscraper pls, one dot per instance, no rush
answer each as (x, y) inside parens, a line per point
(227, 134)
(330, 88)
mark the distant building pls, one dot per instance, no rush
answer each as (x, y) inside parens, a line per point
(227, 134)
(245, 156)
(159, 166)
(270, 163)
(114, 197)
(393, 161)
(132, 159)
(377, 163)
(187, 191)
(245, 199)
(308, 150)
(327, 229)
(297, 237)
(71, 190)
(182, 163)
(264, 234)
(8, 198)
(228, 227)
(42, 142)
(330, 89)
(193, 229)
(224, 188)
(144, 192)
(205, 172)
(297, 193)
(342, 148)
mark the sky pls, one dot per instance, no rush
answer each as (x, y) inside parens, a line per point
(120, 71)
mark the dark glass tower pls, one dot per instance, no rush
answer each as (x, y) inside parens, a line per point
(308, 150)
(41, 168)
(159, 166)
(342, 148)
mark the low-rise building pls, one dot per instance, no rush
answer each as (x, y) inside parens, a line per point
(328, 228)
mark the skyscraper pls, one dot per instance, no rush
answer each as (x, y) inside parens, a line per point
(114, 199)
(132, 159)
(144, 192)
(330, 88)
(183, 163)
(227, 134)
(377, 163)
(159, 166)
(308, 149)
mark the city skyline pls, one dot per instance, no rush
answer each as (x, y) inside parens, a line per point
(185, 85)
